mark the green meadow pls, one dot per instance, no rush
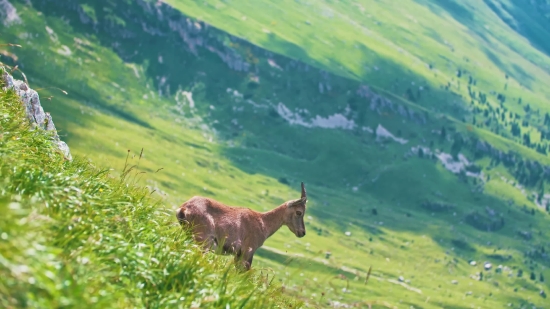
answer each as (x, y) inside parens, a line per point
(243, 100)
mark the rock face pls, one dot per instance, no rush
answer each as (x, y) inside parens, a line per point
(336, 121)
(35, 113)
(379, 102)
(382, 133)
(8, 14)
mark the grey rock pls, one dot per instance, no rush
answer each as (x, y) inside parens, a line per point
(31, 101)
(378, 103)
(8, 80)
(34, 111)
(8, 14)
(49, 123)
(64, 149)
(402, 111)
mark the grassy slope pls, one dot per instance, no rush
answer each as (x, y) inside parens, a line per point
(73, 235)
(395, 242)
(391, 45)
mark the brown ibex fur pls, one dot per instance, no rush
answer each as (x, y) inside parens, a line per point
(237, 230)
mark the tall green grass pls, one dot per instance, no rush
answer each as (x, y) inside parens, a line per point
(250, 166)
(73, 236)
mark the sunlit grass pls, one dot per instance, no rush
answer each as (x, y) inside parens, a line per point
(74, 236)
(101, 121)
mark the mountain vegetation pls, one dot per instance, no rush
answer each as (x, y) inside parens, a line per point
(73, 234)
(421, 129)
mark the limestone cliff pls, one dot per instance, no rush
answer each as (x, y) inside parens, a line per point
(35, 113)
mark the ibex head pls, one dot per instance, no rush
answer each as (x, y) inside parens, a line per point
(294, 216)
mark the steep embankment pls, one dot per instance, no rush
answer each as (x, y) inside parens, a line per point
(415, 192)
(74, 236)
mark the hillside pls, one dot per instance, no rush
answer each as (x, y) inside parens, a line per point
(484, 62)
(73, 235)
(417, 151)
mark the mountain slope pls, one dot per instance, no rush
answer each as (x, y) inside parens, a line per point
(455, 48)
(74, 235)
(228, 119)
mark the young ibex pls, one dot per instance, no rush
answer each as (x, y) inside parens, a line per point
(239, 231)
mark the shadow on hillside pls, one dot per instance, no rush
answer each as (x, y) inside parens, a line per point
(284, 47)
(40, 69)
(527, 20)
(107, 108)
(460, 13)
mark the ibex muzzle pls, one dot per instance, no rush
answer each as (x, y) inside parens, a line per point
(236, 230)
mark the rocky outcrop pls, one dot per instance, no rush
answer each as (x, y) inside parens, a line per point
(383, 133)
(336, 121)
(35, 113)
(239, 55)
(378, 103)
(8, 14)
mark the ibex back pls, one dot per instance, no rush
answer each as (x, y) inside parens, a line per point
(237, 230)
